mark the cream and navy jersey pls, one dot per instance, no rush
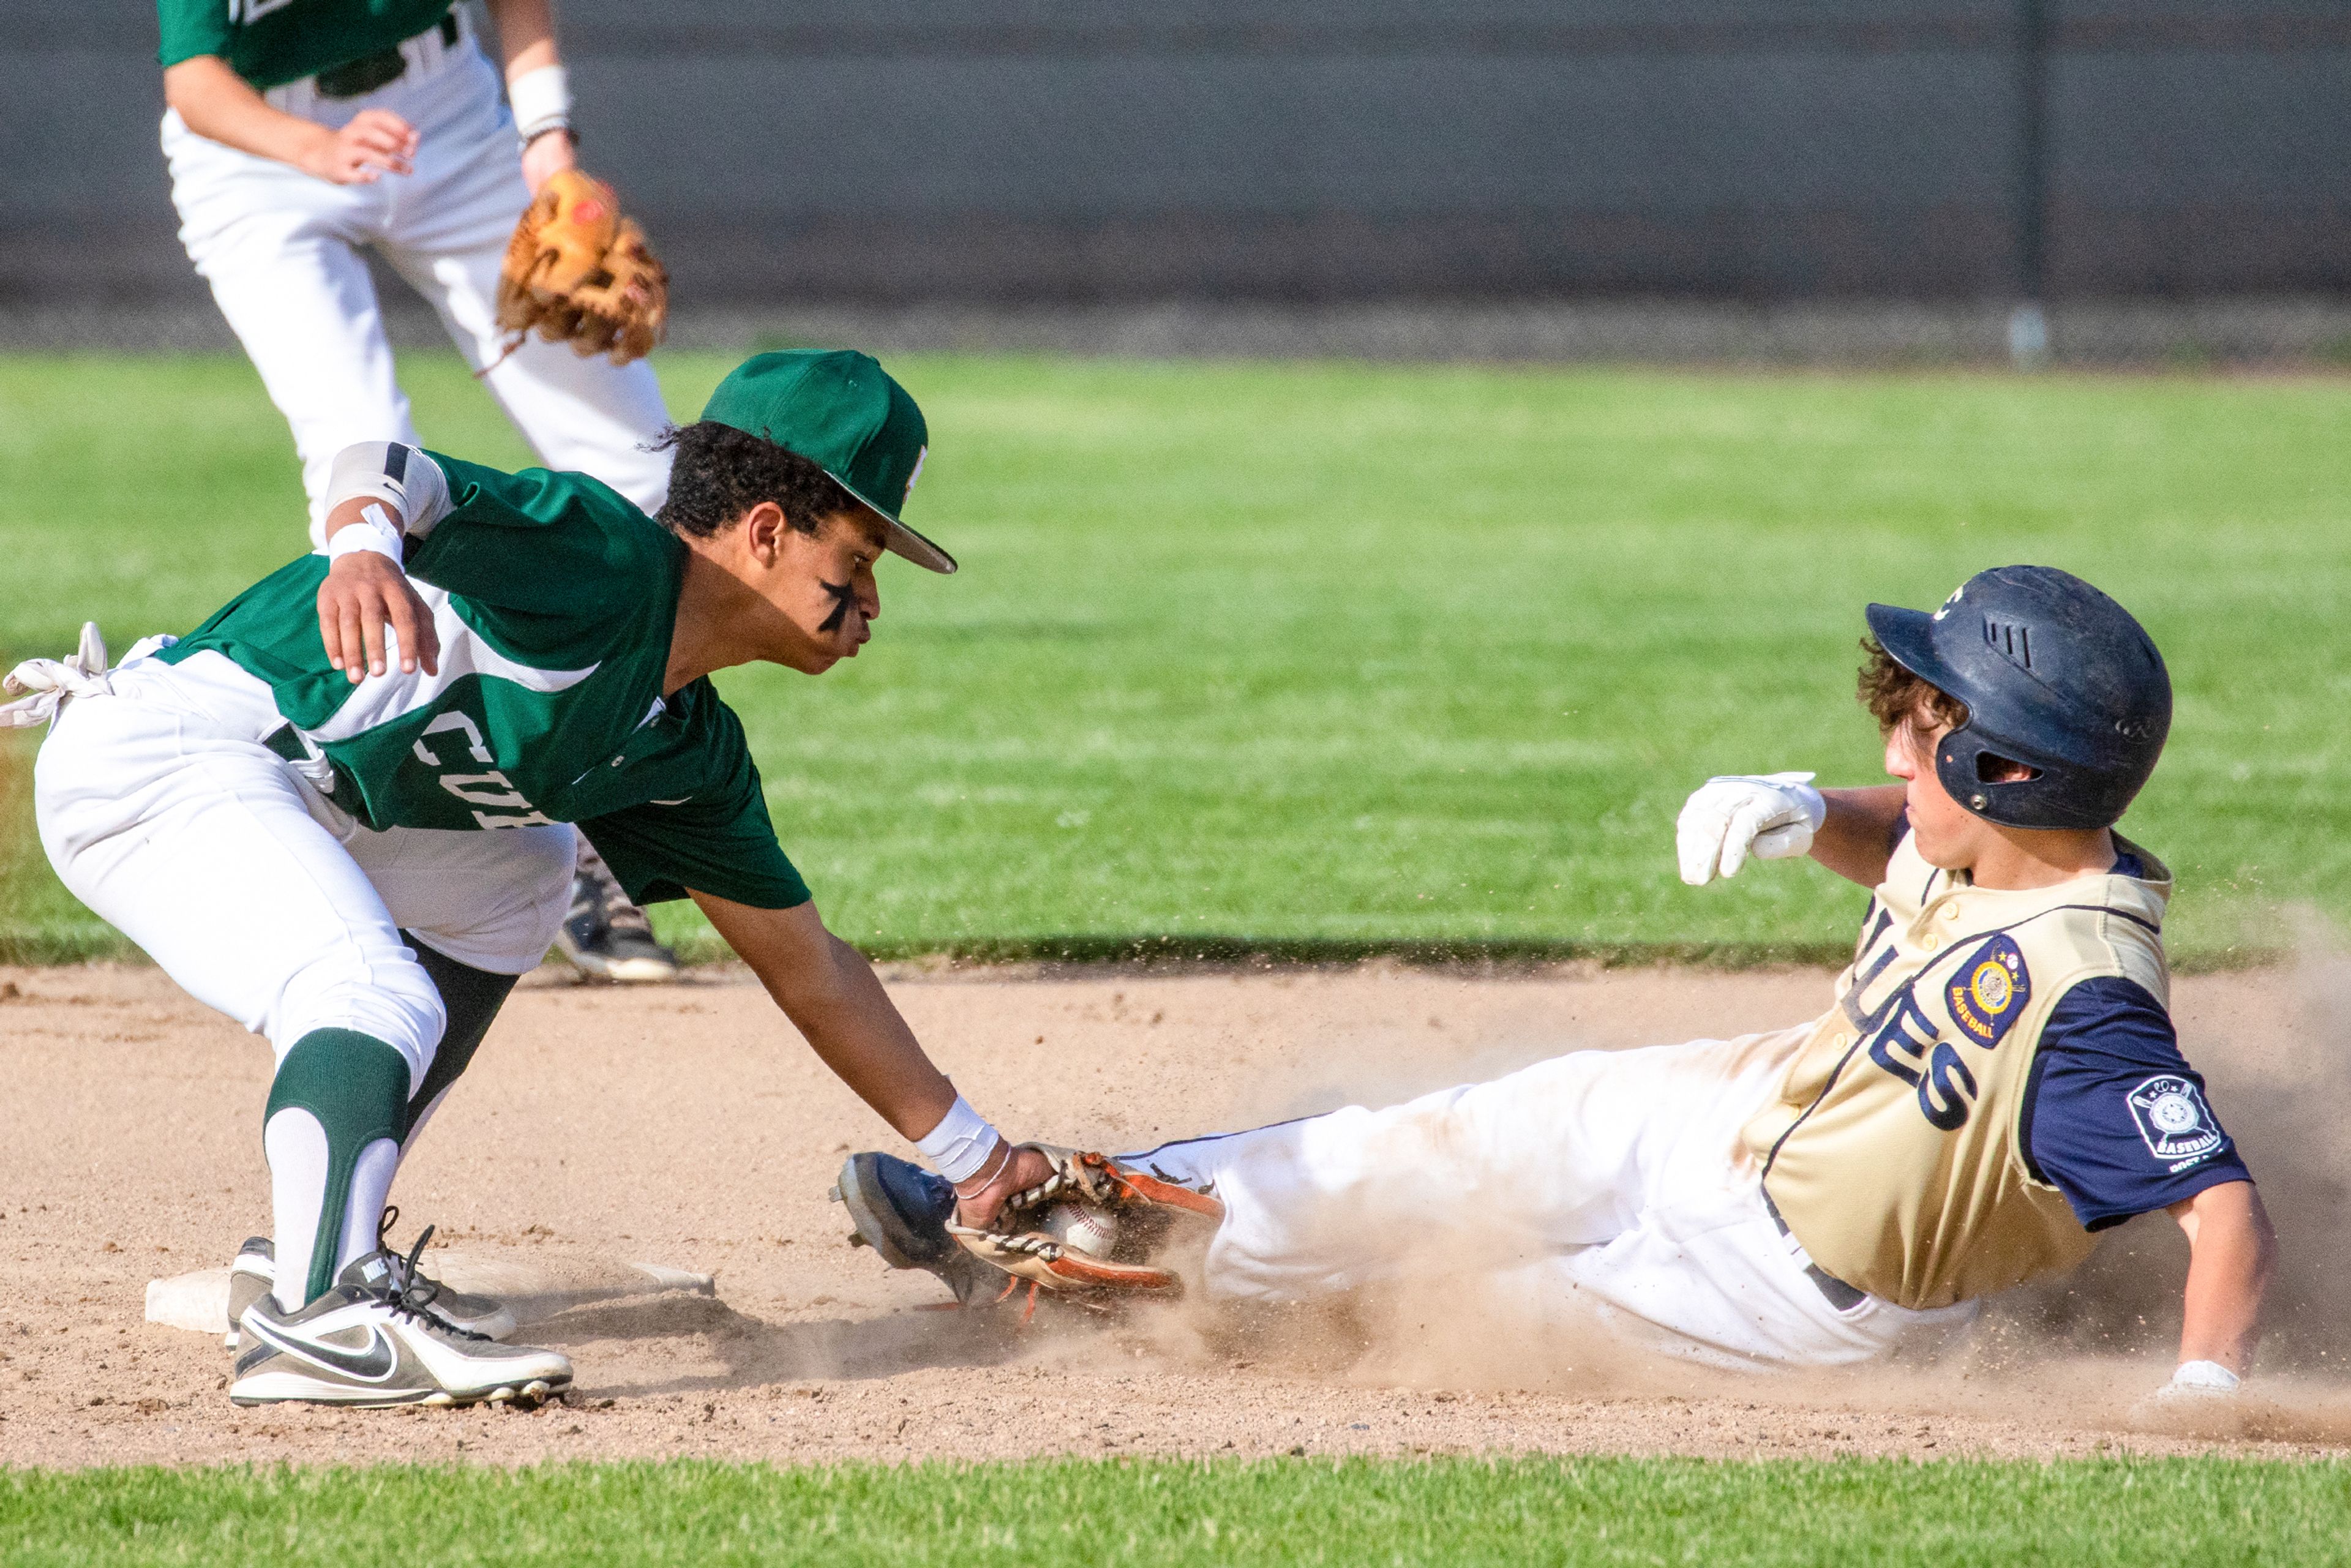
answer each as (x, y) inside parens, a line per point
(270, 42)
(1999, 1079)
(555, 601)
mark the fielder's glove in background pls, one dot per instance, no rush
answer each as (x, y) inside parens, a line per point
(578, 272)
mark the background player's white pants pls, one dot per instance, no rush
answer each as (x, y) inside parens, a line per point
(163, 812)
(278, 248)
(1612, 1182)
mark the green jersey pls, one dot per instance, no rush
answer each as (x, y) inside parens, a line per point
(269, 42)
(554, 600)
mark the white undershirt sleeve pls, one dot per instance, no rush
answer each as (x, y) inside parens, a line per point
(402, 476)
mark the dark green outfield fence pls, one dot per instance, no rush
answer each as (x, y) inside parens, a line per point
(1332, 150)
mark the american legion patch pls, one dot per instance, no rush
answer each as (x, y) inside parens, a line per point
(1987, 994)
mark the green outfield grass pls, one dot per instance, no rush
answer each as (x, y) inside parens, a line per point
(1091, 1514)
(1322, 657)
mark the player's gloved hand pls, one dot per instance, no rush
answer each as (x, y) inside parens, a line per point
(364, 593)
(376, 143)
(1770, 816)
(978, 1197)
(2198, 1381)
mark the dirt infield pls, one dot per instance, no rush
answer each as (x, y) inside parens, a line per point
(688, 1126)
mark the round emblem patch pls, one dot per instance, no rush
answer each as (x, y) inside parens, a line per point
(1990, 986)
(2173, 1113)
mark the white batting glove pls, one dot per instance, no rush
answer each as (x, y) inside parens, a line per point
(2197, 1381)
(1770, 816)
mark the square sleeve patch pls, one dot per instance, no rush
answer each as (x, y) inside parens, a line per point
(2178, 1126)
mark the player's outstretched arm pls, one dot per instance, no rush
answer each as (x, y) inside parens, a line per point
(1730, 819)
(1856, 835)
(2231, 1250)
(834, 998)
(221, 105)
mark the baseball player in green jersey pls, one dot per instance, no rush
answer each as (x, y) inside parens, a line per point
(300, 131)
(340, 812)
(1996, 1080)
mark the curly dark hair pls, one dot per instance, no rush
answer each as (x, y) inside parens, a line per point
(720, 473)
(1895, 697)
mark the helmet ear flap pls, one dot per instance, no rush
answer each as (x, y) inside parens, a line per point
(1972, 774)
(2047, 796)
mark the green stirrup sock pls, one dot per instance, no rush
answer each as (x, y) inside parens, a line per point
(357, 1087)
(472, 998)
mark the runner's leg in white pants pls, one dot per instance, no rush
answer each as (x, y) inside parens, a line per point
(1608, 1180)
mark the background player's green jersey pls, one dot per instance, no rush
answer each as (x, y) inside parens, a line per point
(269, 42)
(555, 601)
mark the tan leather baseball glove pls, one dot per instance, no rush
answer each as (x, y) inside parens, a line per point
(578, 272)
(1088, 1228)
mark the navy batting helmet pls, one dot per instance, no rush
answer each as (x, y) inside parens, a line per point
(2057, 677)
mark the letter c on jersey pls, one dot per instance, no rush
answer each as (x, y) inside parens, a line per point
(469, 787)
(448, 721)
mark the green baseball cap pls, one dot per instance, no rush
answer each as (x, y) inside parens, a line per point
(841, 410)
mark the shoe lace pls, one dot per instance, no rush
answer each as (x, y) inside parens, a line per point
(408, 1292)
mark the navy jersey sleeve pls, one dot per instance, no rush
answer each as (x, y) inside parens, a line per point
(2113, 1116)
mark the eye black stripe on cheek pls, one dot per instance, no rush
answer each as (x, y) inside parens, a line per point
(843, 596)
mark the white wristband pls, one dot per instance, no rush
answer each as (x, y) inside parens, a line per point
(541, 100)
(373, 531)
(961, 1144)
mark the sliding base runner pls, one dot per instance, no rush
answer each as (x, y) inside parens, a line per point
(1996, 1080)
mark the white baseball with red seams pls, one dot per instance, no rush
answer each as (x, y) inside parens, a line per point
(1082, 1228)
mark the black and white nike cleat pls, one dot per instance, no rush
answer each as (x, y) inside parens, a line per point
(255, 1274)
(369, 1341)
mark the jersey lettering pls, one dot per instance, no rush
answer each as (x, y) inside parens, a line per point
(1948, 1092)
(465, 787)
(1866, 1021)
(478, 789)
(1901, 1046)
(1985, 995)
(449, 721)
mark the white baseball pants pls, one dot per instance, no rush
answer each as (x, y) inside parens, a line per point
(162, 811)
(1600, 1183)
(280, 251)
